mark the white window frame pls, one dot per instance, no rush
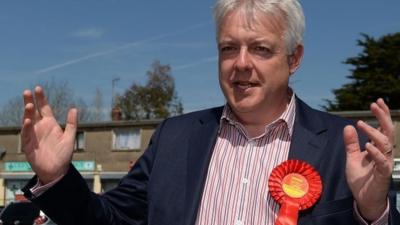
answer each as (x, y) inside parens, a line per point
(398, 200)
(396, 167)
(80, 145)
(131, 142)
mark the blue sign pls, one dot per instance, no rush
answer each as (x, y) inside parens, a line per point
(80, 165)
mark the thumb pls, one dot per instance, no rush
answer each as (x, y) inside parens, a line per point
(71, 125)
(350, 138)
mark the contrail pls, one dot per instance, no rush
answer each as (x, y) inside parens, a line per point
(110, 51)
(199, 62)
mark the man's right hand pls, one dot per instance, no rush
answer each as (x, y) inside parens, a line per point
(47, 147)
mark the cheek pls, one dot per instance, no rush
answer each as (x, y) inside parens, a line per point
(272, 72)
(224, 83)
(225, 88)
(225, 72)
(225, 66)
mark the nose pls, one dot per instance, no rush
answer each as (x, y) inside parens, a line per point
(243, 60)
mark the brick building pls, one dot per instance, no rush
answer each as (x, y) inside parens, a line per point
(103, 154)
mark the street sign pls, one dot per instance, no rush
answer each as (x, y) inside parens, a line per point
(84, 165)
(80, 165)
(17, 167)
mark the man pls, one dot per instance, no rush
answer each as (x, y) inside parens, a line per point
(213, 166)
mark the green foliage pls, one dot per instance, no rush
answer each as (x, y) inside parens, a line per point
(156, 99)
(376, 74)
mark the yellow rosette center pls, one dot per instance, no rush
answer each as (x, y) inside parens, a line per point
(295, 185)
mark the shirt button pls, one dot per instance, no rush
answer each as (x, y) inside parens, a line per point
(252, 143)
(239, 222)
(245, 180)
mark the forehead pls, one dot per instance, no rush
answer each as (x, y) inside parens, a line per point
(253, 22)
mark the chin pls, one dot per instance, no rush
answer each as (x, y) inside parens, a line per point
(242, 107)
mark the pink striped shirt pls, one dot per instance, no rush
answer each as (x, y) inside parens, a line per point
(236, 188)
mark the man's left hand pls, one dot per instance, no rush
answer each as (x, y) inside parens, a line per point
(369, 172)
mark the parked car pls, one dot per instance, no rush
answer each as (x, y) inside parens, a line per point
(23, 213)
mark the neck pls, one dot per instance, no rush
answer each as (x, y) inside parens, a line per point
(255, 121)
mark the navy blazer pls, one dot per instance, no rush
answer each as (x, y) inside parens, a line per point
(166, 184)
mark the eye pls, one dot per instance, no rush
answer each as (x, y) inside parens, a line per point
(227, 49)
(261, 51)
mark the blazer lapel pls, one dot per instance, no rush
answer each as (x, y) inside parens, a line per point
(309, 135)
(201, 144)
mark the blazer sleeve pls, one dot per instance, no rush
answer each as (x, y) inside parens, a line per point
(70, 202)
(394, 215)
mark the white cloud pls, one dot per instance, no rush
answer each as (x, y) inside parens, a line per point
(89, 33)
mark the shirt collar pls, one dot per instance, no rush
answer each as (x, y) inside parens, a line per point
(287, 116)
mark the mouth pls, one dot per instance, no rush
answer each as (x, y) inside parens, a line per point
(244, 85)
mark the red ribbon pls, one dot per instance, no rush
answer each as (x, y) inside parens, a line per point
(295, 185)
(288, 213)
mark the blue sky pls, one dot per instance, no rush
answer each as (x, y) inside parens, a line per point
(89, 43)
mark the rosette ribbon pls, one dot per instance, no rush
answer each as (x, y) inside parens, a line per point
(295, 185)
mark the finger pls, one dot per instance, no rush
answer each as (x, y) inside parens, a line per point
(29, 105)
(382, 161)
(382, 114)
(380, 140)
(71, 125)
(28, 121)
(29, 113)
(26, 131)
(381, 103)
(28, 97)
(350, 138)
(42, 105)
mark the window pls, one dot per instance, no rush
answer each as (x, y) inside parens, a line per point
(126, 139)
(396, 165)
(79, 141)
(398, 200)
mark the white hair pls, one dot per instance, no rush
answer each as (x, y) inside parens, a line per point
(290, 10)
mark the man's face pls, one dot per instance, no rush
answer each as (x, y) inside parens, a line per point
(254, 65)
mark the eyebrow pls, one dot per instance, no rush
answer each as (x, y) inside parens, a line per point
(252, 42)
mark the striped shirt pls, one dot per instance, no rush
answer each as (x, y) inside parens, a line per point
(236, 188)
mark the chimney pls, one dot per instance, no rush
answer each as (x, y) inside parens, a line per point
(116, 113)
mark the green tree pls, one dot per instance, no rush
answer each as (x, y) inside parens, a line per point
(376, 73)
(156, 99)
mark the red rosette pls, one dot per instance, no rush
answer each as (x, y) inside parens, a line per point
(295, 185)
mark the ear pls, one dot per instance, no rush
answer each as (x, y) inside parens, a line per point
(295, 58)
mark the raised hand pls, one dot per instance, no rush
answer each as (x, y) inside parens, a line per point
(47, 147)
(369, 172)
